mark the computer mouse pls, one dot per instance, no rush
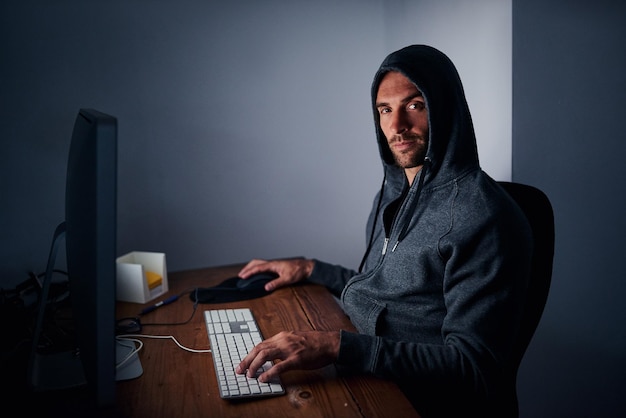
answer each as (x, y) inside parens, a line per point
(256, 281)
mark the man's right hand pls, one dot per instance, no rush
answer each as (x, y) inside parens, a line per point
(289, 271)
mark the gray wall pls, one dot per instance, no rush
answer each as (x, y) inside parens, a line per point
(245, 127)
(569, 79)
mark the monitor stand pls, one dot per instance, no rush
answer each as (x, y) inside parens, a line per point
(64, 370)
(127, 369)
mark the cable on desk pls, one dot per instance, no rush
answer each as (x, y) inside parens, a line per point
(134, 349)
(133, 325)
(170, 300)
(135, 337)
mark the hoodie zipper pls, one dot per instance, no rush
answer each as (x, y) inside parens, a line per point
(410, 210)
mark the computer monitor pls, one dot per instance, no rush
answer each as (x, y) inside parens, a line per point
(90, 232)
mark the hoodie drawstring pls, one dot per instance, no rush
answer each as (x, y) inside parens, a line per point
(405, 227)
(413, 206)
(371, 239)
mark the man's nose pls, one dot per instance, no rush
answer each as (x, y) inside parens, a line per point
(399, 123)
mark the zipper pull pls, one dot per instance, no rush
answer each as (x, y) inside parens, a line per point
(395, 246)
(385, 245)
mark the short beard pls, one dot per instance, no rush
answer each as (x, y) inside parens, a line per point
(418, 156)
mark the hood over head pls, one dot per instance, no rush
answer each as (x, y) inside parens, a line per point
(452, 144)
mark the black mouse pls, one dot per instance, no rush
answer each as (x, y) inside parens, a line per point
(256, 281)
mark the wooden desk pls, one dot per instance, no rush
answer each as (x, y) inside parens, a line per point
(177, 383)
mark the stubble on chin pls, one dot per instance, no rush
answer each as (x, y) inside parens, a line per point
(412, 157)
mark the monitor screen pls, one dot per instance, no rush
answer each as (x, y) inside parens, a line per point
(91, 233)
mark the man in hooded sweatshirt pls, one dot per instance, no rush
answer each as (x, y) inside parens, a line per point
(437, 300)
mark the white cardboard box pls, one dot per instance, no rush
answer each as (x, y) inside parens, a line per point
(132, 283)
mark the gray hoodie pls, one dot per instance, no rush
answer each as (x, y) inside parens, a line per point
(438, 299)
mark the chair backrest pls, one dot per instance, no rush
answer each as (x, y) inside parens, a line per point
(538, 210)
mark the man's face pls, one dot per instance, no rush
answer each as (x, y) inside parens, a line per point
(403, 119)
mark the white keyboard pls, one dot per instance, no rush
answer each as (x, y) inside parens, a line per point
(232, 334)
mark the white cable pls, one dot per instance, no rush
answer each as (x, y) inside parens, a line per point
(134, 350)
(171, 337)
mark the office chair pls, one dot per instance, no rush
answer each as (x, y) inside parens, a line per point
(538, 210)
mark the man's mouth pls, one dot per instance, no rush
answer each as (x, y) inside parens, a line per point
(404, 144)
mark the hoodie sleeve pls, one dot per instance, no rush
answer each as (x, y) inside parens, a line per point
(333, 276)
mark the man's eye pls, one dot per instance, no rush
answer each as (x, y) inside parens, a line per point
(384, 110)
(417, 106)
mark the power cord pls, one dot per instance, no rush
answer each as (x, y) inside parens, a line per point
(135, 338)
(134, 324)
(134, 349)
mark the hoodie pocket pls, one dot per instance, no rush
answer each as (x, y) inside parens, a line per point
(364, 312)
